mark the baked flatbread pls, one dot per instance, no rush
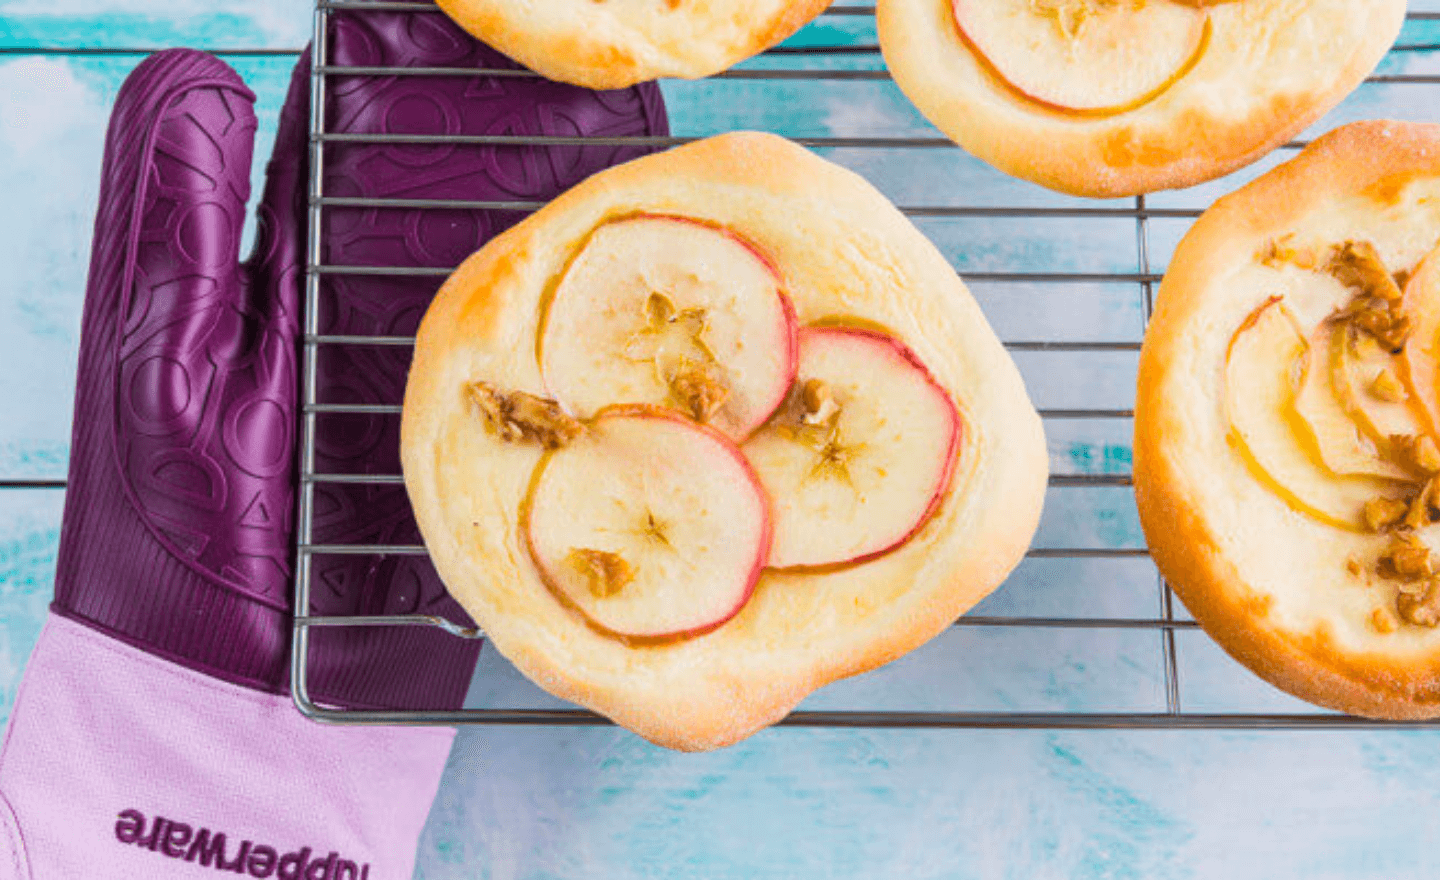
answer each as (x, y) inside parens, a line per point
(1116, 97)
(1285, 427)
(847, 262)
(610, 44)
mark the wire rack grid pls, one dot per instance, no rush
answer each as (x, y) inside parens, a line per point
(1169, 618)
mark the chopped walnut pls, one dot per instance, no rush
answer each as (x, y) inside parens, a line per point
(698, 391)
(519, 417)
(1406, 559)
(1375, 308)
(811, 417)
(1357, 264)
(1413, 563)
(492, 406)
(1416, 587)
(1282, 251)
(1388, 327)
(1420, 609)
(1422, 511)
(817, 402)
(1417, 451)
(1382, 513)
(1418, 515)
(606, 573)
(1387, 388)
(814, 394)
(1383, 621)
(673, 341)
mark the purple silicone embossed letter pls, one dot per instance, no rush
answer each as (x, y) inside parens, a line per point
(179, 518)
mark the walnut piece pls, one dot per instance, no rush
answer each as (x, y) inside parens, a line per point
(519, 417)
(673, 340)
(1420, 609)
(1375, 308)
(1416, 451)
(1382, 513)
(698, 390)
(1383, 621)
(1406, 559)
(606, 573)
(817, 402)
(1383, 323)
(1418, 515)
(1356, 264)
(1282, 251)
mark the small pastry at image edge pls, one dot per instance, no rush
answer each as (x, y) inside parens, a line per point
(611, 44)
(1287, 457)
(1109, 98)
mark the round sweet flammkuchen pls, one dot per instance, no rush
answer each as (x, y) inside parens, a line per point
(610, 44)
(1117, 97)
(1286, 458)
(712, 429)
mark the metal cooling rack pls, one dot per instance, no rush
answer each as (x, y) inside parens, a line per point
(1167, 622)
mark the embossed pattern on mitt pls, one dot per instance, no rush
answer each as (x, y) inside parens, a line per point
(179, 527)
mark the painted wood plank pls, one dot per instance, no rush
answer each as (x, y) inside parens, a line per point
(531, 803)
(53, 113)
(200, 24)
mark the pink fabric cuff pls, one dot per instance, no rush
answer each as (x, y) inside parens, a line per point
(120, 764)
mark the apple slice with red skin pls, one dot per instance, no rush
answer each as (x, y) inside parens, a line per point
(651, 526)
(1082, 56)
(1420, 361)
(673, 312)
(857, 469)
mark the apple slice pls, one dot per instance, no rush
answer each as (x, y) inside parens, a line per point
(1260, 385)
(651, 526)
(861, 456)
(671, 312)
(1420, 362)
(1328, 427)
(1357, 361)
(1085, 56)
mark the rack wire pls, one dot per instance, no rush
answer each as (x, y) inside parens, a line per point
(1168, 620)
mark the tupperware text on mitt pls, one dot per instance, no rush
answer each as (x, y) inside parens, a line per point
(209, 849)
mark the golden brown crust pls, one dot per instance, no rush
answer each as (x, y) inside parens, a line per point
(799, 631)
(1271, 68)
(1267, 585)
(617, 43)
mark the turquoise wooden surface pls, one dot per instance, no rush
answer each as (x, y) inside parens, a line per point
(534, 804)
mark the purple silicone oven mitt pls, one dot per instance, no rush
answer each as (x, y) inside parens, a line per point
(179, 522)
(151, 735)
